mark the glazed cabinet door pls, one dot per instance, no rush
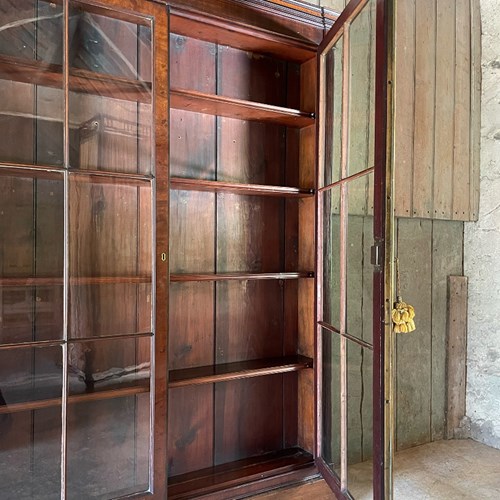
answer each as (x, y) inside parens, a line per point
(80, 165)
(354, 249)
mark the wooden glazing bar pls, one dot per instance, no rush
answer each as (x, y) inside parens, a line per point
(31, 171)
(121, 177)
(31, 345)
(75, 398)
(239, 276)
(352, 338)
(80, 80)
(190, 100)
(235, 371)
(229, 187)
(347, 179)
(83, 280)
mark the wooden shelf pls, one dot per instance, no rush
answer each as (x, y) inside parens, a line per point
(96, 395)
(259, 469)
(234, 371)
(80, 80)
(237, 188)
(211, 104)
(238, 35)
(84, 280)
(239, 276)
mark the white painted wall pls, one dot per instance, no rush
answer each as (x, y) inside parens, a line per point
(482, 250)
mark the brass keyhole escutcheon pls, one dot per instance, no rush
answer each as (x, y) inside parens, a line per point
(163, 257)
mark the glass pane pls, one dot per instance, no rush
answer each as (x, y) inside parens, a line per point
(362, 90)
(359, 281)
(110, 110)
(30, 437)
(109, 365)
(108, 447)
(29, 374)
(110, 256)
(359, 420)
(31, 109)
(31, 255)
(106, 45)
(330, 377)
(331, 256)
(333, 113)
(30, 454)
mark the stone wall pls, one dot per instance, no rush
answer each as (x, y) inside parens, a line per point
(482, 250)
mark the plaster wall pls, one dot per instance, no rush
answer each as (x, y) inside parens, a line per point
(482, 250)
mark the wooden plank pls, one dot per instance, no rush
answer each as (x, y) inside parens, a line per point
(425, 84)
(445, 110)
(237, 303)
(462, 165)
(354, 327)
(475, 123)
(361, 110)
(191, 325)
(238, 188)
(248, 418)
(404, 97)
(224, 372)
(239, 473)
(367, 357)
(192, 232)
(240, 276)
(457, 353)
(206, 27)
(200, 102)
(446, 235)
(413, 393)
(190, 429)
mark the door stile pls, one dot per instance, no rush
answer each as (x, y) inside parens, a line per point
(383, 392)
(343, 259)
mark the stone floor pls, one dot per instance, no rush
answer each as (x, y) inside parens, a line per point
(444, 470)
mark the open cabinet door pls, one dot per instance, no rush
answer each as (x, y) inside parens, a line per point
(355, 254)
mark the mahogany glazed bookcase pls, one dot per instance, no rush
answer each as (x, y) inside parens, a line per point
(159, 247)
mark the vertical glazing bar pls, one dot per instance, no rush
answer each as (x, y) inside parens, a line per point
(66, 249)
(343, 260)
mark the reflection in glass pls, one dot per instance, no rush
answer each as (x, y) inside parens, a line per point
(330, 377)
(106, 45)
(29, 374)
(111, 134)
(30, 454)
(108, 447)
(359, 279)
(333, 113)
(362, 90)
(110, 110)
(109, 364)
(31, 114)
(331, 257)
(359, 420)
(31, 255)
(110, 256)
